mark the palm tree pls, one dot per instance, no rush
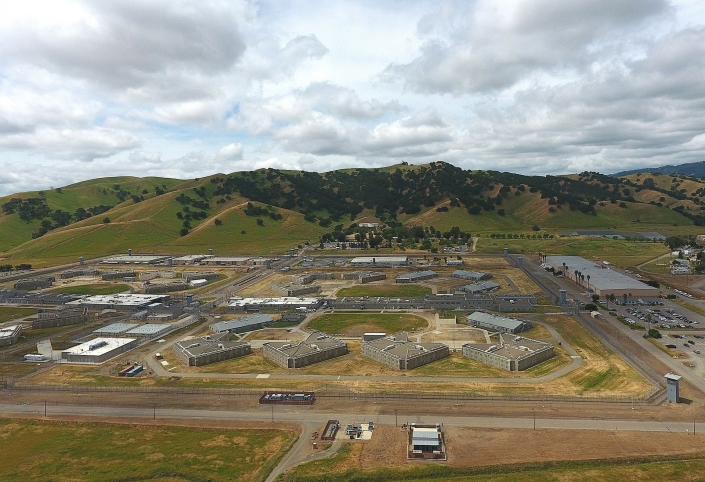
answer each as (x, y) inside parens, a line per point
(576, 276)
(588, 278)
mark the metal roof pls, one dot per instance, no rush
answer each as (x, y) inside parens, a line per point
(495, 320)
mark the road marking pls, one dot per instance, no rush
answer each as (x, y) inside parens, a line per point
(263, 375)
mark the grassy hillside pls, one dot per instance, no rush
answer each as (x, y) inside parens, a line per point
(104, 216)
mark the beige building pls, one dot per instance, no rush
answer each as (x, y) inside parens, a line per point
(316, 348)
(399, 353)
(512, 353)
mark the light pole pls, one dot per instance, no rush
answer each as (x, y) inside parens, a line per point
(396, 418)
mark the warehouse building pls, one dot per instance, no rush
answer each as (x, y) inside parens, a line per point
(109, 274)
(277, 304)
(190, 259)
(603, 280)
(364, 276)
(119, 302)
(9, 334)
(168, 287)
(497, 322)
(399, 353)
(416, 276)
(470, 275)
(136, 259)
(98, 350)
(511, 353)
(295, 289)
(480, 287)
(157, 273)
(149, 330)
(242, 325)
(197, 352)
(226, 261)
(380, 261)
(316, 348)
(76, 272)
(114, 329)
(35, 283)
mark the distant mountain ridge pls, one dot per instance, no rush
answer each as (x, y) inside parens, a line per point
(690, 169)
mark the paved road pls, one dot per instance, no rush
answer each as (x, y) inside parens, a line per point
(313, 419)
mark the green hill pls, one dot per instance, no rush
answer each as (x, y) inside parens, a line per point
(269, 210)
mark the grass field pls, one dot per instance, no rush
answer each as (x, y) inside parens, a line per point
(8, 313)
(355, 324)
(93, 289)
(385, 290)
(47, 451)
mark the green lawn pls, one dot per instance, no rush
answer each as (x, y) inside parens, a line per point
(8, 313)
(385, 290)
(94, 289)
(49, 451)
(354, 324)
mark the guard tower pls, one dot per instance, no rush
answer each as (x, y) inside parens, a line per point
(564, 297)
(672, 390)
(506, 251)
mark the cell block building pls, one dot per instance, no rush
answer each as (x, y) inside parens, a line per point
(497, 323)
(399, 353)
(197, 352)
(316, 348)
(511, 353)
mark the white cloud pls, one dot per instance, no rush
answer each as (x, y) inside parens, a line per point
(231, 152)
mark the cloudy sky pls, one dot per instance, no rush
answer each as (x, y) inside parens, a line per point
(185, 89)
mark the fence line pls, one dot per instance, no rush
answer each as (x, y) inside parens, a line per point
(655, 396)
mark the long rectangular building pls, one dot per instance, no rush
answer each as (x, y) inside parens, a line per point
(480, 287)
(315, 348)
(281, 303)
(197, 352)
(398, 352)
(98, 350)
(10, 334)
(497, 322)
(470, 275)
(242, 325)
(511, 353)
(603, 280)
(380, 261)
(416, 276)
(120, 301)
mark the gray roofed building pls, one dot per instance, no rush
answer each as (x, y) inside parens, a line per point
(471, 275)
(197, 352)
(512, 353)
(115, 329)
(416, 276)
(398, 352)
(497, 323)
(149, 330)
(481, 287)
(380, 261)
(241, 325)
(315, 348)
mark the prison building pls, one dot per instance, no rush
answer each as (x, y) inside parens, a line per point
(10, 334)
(190, 259)
(149, 330)
(109, 274)
(316, 348)
(98, 350)
(74, 273)
(512, 353)
(60, 317)
(160, 317)
(426, 442)
(168, 287)
(35, 283)
(188, 276)
(280, 303)
(399, 353)
(197, 352)
(120, 302)
(602, 280)
(470, 275)
(497, 322)
(226, 261)
(149, 275)
(380, 261)
(364, 276)
(136, 259)
(242, 325)
(114, 330)
(514, 303)
(416, 276)
(480, 287)
(294, 289)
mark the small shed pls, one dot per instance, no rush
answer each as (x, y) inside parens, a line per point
(672, 389)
